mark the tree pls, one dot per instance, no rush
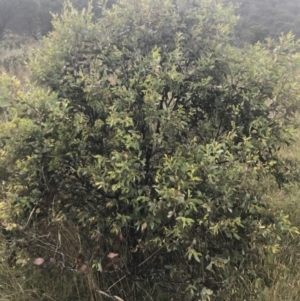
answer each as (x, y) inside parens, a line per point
(149, 134)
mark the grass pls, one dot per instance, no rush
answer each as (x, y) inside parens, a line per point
(287, 275)
(14, 52)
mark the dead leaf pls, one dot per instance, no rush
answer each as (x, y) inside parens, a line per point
(52, 261)
(144, 226)
(84, 267)
(134, 250)
(112, 255)
(118, 298)
(39, 261)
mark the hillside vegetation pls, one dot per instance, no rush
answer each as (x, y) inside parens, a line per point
(148, 151)
(260, 19)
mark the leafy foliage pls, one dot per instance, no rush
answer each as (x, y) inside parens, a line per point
(148, 134)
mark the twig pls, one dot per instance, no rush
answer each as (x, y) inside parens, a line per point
(117, 281)
(29, 218)
(150, 256)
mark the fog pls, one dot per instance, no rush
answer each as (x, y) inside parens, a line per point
(259, 19)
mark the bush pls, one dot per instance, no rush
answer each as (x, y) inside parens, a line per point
(148, 135)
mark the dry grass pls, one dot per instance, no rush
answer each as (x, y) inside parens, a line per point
(14, 52)
(29, 282)
(287, 284)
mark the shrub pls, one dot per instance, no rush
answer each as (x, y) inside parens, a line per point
(149, 134)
